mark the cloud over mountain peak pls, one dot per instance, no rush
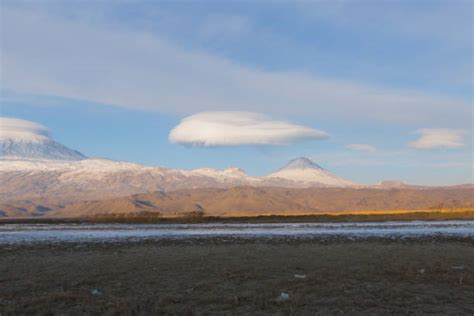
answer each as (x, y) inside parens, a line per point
(25, 139)
(13, 128)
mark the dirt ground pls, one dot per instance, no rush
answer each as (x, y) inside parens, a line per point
(240, 277)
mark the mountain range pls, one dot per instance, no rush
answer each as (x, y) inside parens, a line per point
(37, 167)
(39, 175)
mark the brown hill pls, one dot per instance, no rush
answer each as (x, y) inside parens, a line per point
(253, 201)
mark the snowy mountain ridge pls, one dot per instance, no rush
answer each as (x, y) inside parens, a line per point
(34, 166)
(309, 175)
(28, 146)
(89, 179)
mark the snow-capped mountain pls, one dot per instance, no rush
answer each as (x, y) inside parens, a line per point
(25, 139)
(87, 179)
(36, 170)
(304, 170)
(33, 166)
(44, 149)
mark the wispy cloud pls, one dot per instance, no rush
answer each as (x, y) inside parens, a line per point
(45, 54)
(362, 147)
(439, 138)
(212, 129)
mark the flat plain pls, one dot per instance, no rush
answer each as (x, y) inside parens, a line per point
(217, 276)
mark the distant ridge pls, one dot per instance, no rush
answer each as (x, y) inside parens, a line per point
(238, 201)
(71, 179)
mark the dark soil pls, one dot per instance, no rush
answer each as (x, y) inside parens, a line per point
(228, 277)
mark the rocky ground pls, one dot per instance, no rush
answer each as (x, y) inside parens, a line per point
(228, 276)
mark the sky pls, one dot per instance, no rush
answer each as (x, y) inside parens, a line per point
(370, 90)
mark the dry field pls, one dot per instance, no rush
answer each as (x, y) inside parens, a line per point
(217, 276)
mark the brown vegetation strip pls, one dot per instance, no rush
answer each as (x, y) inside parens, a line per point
(200, 217)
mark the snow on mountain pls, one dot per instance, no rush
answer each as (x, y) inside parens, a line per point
(25, 139)
(61, 180)
(235, 172)
(392, 184)
(46, 149)
(32, 161)
(35, 167)
(301, 163)
(304, 170)
(231, 172)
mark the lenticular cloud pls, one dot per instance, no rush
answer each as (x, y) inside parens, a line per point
(214, 129)
(13, 128)
(439, 138)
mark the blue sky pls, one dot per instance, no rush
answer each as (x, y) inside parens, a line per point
(112, 79)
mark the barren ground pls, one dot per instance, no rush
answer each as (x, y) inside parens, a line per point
(218, 276)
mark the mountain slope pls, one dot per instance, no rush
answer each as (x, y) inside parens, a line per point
(89, 179)
(24, 139)
(304, 170)
(34, 149)
(66, 181)
(257, 201)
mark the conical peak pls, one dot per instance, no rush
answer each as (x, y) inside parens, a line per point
(25, 139)
(301, 163)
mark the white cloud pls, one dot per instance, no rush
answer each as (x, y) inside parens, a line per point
(209, 129)
(362, 147)
(438, 138)
(46, 54)
(13, 128)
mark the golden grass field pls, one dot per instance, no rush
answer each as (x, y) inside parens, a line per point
(457, 214)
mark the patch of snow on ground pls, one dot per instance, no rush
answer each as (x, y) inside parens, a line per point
(44, 233)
